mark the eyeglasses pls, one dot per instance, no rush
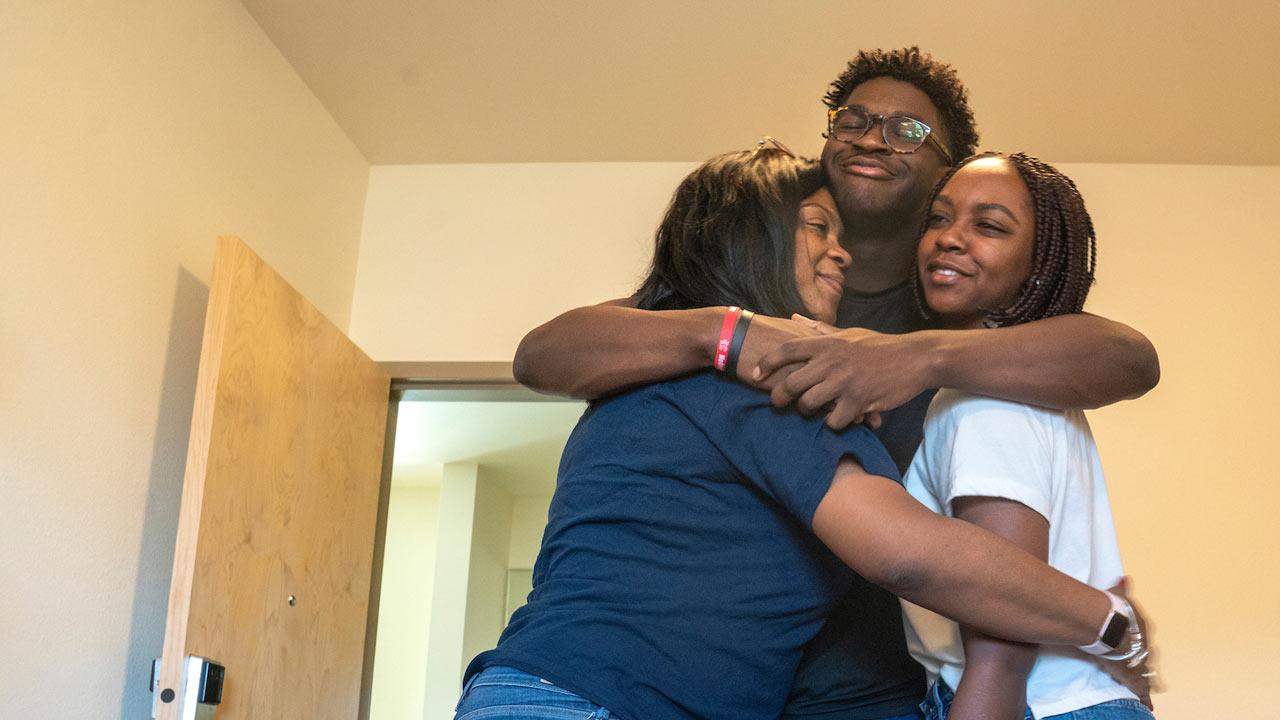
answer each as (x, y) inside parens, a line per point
(769, 140)
(901, 133)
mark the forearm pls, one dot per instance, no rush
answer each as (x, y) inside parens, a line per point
(1068, 361)
(977, 579)
(994, 684)
(594, 351)
(953, 567)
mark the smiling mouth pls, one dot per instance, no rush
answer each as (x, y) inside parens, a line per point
(833, 282)
(945, 274)
(866, 167)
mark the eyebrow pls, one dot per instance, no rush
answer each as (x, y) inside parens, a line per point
(982, 207)
(825, 210)
(891, 113)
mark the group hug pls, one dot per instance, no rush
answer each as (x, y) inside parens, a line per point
(835, 464)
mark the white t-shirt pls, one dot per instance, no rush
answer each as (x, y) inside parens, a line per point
(1046, 460)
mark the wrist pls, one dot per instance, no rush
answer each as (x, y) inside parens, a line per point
(702, 333)
(933, 350)
(1113, 633)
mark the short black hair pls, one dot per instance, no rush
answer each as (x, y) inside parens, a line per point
(935, 79)
(1065, 253)
(728, 237)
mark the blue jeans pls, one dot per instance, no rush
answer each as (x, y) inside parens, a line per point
(937, 705)
(504, 693)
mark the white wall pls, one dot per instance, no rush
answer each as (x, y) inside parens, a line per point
(132, 134)
(404, 610)
(457, 262)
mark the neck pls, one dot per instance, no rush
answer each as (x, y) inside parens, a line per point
(882, 257)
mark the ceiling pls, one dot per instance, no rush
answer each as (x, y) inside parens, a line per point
(518, 444)
(422, 81)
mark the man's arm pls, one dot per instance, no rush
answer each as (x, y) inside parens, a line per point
(594, 351)
(951, 566)
(1068, 361)
(994, 684)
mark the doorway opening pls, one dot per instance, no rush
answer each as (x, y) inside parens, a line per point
(473, 468)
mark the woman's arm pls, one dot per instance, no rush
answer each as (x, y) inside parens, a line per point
(1068, 361)
(952, 567)
(994, 684)
(594, 351)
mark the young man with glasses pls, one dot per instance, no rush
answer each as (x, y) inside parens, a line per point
(896, 120)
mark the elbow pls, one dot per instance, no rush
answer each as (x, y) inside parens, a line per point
(1143, 368)
(903, 574)
(534, 366)
(1128, 368)
(1148, 373)
(522, 364)
(528, 360)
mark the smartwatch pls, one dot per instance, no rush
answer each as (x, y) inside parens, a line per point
(1114, 628)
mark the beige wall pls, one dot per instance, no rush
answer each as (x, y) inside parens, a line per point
(457, 262)
(460, 261)
(132, 134)
(1187, 254)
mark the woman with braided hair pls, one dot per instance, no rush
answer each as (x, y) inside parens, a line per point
(1007, 240)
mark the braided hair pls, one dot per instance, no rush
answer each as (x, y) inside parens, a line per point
(935, 79)
(1064, 253)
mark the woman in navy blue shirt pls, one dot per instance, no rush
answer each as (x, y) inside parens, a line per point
(698, 537)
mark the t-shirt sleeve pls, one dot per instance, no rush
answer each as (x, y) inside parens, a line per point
(997, 449)
(789, 457)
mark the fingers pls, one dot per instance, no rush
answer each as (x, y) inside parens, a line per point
(812, 324)
(792, 351)
(795, 385)
(822, 396)
(848, 412)
(843, 415)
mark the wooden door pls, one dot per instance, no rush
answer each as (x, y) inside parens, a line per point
(272, 565)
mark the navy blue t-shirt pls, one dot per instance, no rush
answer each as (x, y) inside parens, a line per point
(679, 576)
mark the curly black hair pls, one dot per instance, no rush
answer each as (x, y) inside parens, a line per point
(1065, 253)
(935, 79)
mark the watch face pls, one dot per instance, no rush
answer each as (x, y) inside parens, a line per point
(1116, 628)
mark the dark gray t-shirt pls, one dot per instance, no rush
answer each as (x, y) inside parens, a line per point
(857, 667)
(892, 311)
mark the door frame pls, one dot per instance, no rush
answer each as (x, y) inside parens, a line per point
(421, 381)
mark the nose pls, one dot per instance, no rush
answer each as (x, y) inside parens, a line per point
(841, 256)
(950, 239)
(873, 139)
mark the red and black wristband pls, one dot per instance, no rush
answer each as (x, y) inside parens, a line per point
(726, 338)
(735, 344)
